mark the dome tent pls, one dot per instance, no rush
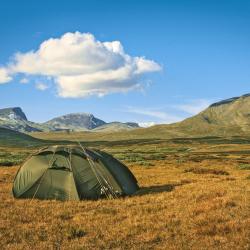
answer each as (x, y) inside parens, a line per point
(73, 173)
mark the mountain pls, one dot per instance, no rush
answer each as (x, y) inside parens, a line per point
(15, 119)
(227, 117)
(230, 117)
(13, 114)
(87, 122)
(75, 121)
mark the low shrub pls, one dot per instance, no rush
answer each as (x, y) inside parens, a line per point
(146, 163)
(75, 233)
(206, 171)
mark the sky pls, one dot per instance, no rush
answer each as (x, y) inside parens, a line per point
(147, 61)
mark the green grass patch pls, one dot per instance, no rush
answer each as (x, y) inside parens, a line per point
(11, 159)
(141, 157)
(244, 167)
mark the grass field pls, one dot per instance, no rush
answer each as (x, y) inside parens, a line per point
(195, 194)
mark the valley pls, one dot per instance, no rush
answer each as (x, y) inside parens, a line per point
(210, 175)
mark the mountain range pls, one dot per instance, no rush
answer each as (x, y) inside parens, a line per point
(230, 117)
(15, 119)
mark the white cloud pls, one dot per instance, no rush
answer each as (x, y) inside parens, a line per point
(161, 116)
(41, 86)
(4, 75)
(80, 65)
(24, 80)
(169, 113)
(194, 107)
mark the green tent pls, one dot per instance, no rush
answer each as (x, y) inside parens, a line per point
(73, 173)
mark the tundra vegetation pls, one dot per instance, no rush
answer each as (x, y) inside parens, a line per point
(194, 195)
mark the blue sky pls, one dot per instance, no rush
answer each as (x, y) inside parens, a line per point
(183, 55)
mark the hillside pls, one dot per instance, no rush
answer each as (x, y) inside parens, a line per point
(13, 138)
(224, 118)
(230, 117)
(116, 127)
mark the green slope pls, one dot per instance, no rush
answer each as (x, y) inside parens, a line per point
(225, 118)
(115, 127)
(13, 138)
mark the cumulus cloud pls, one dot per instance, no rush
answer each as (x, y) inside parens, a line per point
(4, 75)
(80, 65)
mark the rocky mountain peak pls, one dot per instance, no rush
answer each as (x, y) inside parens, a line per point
(14, 113)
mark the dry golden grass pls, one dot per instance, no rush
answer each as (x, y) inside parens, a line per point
(175, 208)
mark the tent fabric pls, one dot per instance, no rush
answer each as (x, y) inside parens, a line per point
(73, 173)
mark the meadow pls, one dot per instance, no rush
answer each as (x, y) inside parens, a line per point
(195, 194)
